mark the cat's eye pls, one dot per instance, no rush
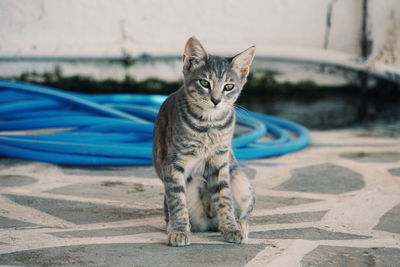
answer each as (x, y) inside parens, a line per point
(228, 87)
(204, 83)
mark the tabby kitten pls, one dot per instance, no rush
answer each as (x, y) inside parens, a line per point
(205, 188)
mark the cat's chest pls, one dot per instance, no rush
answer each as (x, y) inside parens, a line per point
(206, 132)
(213, 133)
(214, 138)
(211, 140)
(205, 144)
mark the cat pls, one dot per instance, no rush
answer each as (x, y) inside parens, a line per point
(205, 188)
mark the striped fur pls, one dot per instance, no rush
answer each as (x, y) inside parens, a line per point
(205, 189)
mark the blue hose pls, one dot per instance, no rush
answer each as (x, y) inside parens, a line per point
(83, 129)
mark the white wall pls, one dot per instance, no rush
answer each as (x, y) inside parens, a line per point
(108, 28)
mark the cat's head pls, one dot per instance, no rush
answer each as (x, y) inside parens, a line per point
(214, 82)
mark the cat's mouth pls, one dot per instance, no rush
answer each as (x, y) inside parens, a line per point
(216, 108)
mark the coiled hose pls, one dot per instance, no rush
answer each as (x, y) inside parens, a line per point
(112, 129)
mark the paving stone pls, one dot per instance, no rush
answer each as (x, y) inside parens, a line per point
(83, 212)
(394, 171)
(115, 190)
(308, 233)
(12, 223)
(324, 256)
(117, 231)
(136, 255)
(268, 202)
(372, 156)
(363, 145)
(124, 171)
(16, 180)
(390, 221)
(312, 216)
(250, 172)
(261, 163)
(323, 178)
(6, 163)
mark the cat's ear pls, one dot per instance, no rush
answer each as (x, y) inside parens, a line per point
(242, 61)
(194, 54)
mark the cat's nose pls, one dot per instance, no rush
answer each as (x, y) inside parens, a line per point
(215, 101)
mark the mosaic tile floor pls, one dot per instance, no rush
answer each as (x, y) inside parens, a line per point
(336, 203)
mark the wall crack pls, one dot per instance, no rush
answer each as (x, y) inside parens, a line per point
(328, 23)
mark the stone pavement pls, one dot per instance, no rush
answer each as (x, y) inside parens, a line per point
(336, 203)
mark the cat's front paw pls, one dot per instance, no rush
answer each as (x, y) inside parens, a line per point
(235, 236)
(179, 239)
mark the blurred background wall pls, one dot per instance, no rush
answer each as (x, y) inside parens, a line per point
(114, 28)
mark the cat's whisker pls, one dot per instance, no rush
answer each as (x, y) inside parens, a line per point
(244, 110)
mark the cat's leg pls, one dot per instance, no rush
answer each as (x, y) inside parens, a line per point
(166, 213)
(178, 225)
(243, 198)
(220, 189)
